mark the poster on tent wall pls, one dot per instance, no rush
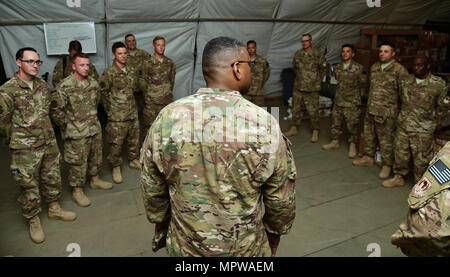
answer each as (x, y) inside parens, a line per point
(59, 35)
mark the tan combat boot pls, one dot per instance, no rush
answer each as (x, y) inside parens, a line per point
(385, 172)
(352, 150)
(315, 136)
(365, 160)
(97, 183)
(79, 197)
(334, 144)
(292, 132)
(396, 181)
(36, 232)
(55, 212)
(135, 164)
(117, 176)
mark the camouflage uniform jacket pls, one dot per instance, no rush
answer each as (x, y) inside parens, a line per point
(24, 118)
(59, 74)
(348, 90)
(117, 93)
(213, 190)
(76, 110)
(159, 79)
(136, 59)
(384, 89)
(427, 230)
(422, 105)
(260, 74)
(310, 69)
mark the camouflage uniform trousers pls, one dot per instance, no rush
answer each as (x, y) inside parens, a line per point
(31, 167)
(84, 156)
(308, 101)
(421, 146)
(154, 103)
(117, 132)
(384, 129)
(351, 116)
(255, 99)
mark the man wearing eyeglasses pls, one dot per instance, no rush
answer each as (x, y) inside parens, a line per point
(260, 74)
(63, 67)
(310, 67)
(212, 160)
(25, 121)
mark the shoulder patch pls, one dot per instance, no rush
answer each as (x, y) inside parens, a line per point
(440, 171)
(420, 189)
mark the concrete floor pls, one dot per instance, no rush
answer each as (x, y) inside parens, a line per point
(340, 211)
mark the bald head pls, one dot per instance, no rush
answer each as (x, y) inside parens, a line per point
(221, 67)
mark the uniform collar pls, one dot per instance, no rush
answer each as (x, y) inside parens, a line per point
(218, 91)
(118, 69)
(21, 83)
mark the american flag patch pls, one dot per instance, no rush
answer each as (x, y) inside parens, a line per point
(440, 171)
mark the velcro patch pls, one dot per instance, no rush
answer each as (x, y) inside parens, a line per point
(440, 171)
(420, 189)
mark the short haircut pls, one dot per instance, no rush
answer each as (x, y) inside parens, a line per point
(80, 55)
(116, 45)
(349, 46)
(75, 45)
(216, 48)
(251, 41)
(129, 35)
(387, 43)
(307, 35)
(19, 53)
(158, 38)
(423, 57)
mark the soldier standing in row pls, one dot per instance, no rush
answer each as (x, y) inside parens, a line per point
(423, 108)
(159, 75)
(218, 185)
(136, 59)
(78, 96)
(310, 68)
(117, 86)
(382, 110)
(426, 233)
(260, 74)
(347, 101)
(63, 67)
(24, 120)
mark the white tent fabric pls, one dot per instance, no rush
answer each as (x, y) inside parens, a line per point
(21, 25)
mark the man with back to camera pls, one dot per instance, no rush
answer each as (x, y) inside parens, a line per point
(347, 101)
(310, 68)
(63, 67)
(423, 109)
(260, 74)
(117, 86)
(24, 121)
(78, 97)
(205, 191)
(159, 75)
(382, 110)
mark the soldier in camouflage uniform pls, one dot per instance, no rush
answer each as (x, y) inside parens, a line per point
(117, 86)
(63, 67)
(24, 120)
(136, 59)
(423, 107)
(205, 190)
(76, 114)
(310, 67)
(382, 110)
(347, 101)
(260, 74)
(427, 229)
(159, 75)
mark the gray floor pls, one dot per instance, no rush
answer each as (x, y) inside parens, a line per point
(340, 211)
